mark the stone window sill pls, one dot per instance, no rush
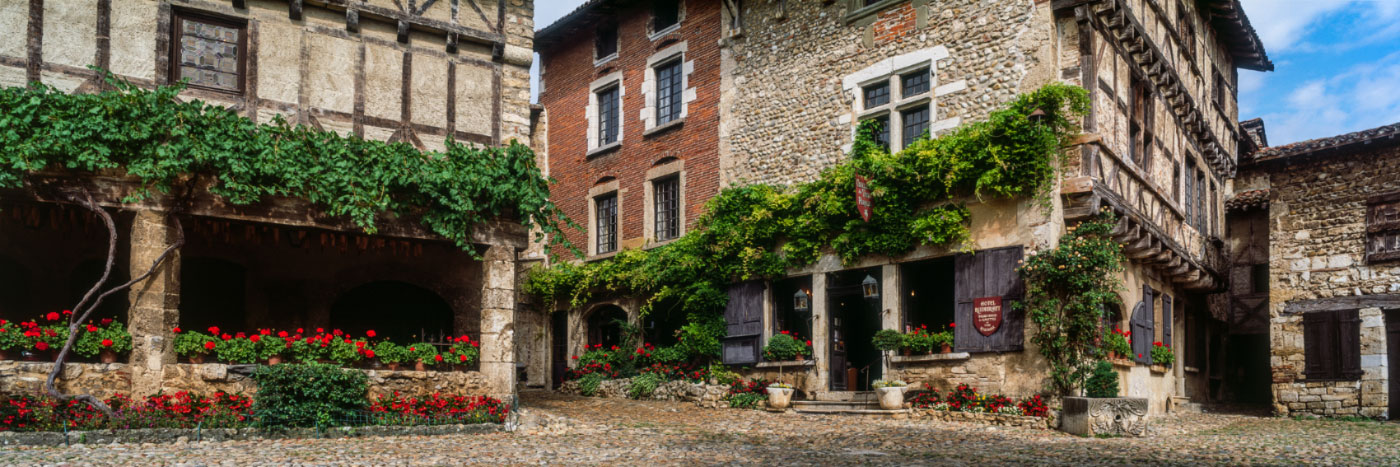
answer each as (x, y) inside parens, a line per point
(871, 10)
(1160, 369)
(601, 256)
(1123, 362)
(662, 128)
(787, 364)
(656, 244)
(938, 357)
(601, 61)
(604, 149)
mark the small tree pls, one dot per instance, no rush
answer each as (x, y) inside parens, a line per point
(1067, 290)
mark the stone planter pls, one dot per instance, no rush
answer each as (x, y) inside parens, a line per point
(891, 398)
(1160, 369)
(1118, 416)
(779, 398)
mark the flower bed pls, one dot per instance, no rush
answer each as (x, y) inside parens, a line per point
(40, 338)
(275, 346)
(964, 403)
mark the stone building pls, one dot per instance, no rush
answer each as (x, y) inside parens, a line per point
(796, 78)
(413, 72)
(1319, 221)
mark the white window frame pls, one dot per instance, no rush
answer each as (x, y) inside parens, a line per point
(653, 34)
(674, 168)
(602, 189)
(890, 71)
(594, 138)
(675, 51)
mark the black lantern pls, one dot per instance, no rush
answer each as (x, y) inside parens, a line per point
(1037, 117)
(870, 287)
(801, 302)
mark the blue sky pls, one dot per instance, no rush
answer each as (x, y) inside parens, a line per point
(1336, 65)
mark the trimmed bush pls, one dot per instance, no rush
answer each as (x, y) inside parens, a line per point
(296, 395)
(1104, 381)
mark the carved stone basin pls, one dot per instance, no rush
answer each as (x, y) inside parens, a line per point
(1117, 416)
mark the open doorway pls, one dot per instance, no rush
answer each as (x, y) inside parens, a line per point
(854, 361)
(929, 298)
(559, 346)
(605, 326)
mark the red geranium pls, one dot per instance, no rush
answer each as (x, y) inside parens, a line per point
(214, 330)
(438, 357)
(255, 338)
(282, 334)
(106, 321)
(91, 328)
(106, 342)
(52, 316)
(209, 345)
(41, 345)
(370, 333)
(176, 330)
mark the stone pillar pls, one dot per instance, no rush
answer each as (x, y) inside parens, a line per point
(890, 314)
(498, 321)
(155, 301)
(821, 335)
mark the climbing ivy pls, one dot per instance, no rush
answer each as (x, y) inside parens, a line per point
(151, 135)
(1067, 290)
(760, 231)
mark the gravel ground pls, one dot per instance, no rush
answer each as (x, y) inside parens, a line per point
(572, 430)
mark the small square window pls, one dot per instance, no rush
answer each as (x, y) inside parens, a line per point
(209, 52)
(915, 123)
(913, 84)
(668, 92)
(605, 44)
(666, 201)
(882, 131)
(608, 103)
(665, 13)
(877, 95)
(606, 213)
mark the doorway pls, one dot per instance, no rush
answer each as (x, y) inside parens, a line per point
(1392, 343)
(854, 361)
(558, 346)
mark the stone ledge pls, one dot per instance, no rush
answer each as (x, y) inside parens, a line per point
(787, 364)
(180, 435)
(938, 357)
(1040, 423)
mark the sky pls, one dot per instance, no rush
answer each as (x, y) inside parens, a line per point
(1336, 65)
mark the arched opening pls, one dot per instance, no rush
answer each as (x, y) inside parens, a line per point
(212, 293)
(605, 326)
(661, 326)
(15, 303)
(398, 311)
(85, 276)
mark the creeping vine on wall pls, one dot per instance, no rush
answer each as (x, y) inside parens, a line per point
(151, 135)
(1067, 290)
(760, 231)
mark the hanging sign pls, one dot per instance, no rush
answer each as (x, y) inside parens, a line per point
(986, 314)
(863, 197)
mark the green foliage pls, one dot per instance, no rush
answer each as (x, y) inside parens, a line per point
(389, 352)
(342, 352)
(11, 336)
(888, 339)
(1067, 289)
(1104, 381)
(760, 231)
(588, 384)
(723, 375)
(889, 383)
(1162, 354)
(783, 347)
(643, 385)
(1117, 341)
(98, 337)
(268, 347)
(236, 351)
(424, 352)
(309, 350)
(193, 343)
(747, 400)
(463, 352)
(153, 136)
(294, 395)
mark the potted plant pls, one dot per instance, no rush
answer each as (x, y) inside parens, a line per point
(784, 347)
(890, 393)
(1116, 344)
(1162, 357)
(271, 348)
(11, 339)
(193, 345)
(918, 341)
(464, 352)
(391, 354)
(104, 341)
(423, 355)
(236, 349)
(887, 340)
(942, 340)
(779, 396)
(344, 351)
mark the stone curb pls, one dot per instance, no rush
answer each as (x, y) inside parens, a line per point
(182, 435)
(1041, 423)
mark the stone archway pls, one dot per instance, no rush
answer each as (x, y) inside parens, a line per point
(605, 326)
(395, 310)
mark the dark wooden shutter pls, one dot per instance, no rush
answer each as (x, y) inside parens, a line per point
(1167, 320)
(1317, 338)
(1142, 327)
(989, 273)
(743, 317)
(1349, 344)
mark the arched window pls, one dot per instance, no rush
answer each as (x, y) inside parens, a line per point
(605, 326)
(398, 311)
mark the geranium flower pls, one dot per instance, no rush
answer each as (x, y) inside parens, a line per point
(41, 345)
(176, 330)
(462, 358)
(91, 328)
(282, 334)
(438, 357)
(209, 345)
(106, 342)
(320, 330)
(106, 321)
(214, 330)
(370, 333)
(52, 316)
(369, 353)
(255, 338)
(337, 332)
(226, 336)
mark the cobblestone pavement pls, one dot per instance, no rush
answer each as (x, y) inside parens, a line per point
(573, 430)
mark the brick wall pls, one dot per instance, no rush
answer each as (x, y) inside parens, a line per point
(567, 71)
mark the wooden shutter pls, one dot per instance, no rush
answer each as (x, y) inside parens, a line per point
(743, 317)
(1349, 344)
(988, 273)
(1317, 338)
(1167, 320)
(1142, 327)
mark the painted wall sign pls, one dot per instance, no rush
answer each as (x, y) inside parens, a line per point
(986, 314)
(863, 197)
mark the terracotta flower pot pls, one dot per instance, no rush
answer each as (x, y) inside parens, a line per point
(197, 359)
(945, 349)
(392, 366)
(107, 356)
(907, 352)
(4, 354)
(1112, 355)
(800, 357)
(274, 360)
(419, 366)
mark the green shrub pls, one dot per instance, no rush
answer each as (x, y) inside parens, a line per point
(389, 352)
(784, 347)
(747, 400)
(722, 374)
(643, 385)
(192, 343)
(424, 352)
(1103, 382)
(111, 335)
(236, 351)
(588, 384)
(307, 394)
(888, 339)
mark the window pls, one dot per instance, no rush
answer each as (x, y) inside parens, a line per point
(1189, 201)
(1201, 201)
(1383, 228)
(882, 131)
(1221, 91)
(1141, 126)
(1214, 220)
(877, 95)
(668, 92)
(664, 14)
(666, 205)
(1176, 184)
(606, 212)
(608, 103)
(915, 83)
(209, 52)
(1332, 345)
(928, 289)
(981, 276)
(1186, 29)
(605, 44)
(915, 123)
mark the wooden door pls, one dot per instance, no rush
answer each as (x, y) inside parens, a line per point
(559, 346)
(1392, 339)
(840, 331)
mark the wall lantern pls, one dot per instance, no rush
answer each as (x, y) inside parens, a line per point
(1038, 117)
(871, 287)
(801, 301)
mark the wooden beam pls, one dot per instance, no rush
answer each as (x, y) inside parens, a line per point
(1382, 301)
(1189, 277)
(1149, 247)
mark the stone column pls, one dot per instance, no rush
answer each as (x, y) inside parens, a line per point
(821, 335)
(155, 301)
(890, 313)
(498, 321)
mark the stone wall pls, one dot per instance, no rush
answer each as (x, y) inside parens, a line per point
(706, 395)
(105, 380)
(1316, 235)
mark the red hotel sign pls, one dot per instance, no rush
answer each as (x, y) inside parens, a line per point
(863, 197)
(986, 314)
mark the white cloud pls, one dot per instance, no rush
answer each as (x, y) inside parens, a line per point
(1364, 96)
(1283, 23)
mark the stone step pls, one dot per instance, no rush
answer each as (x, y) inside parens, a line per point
(834, 405)
(875, 412)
